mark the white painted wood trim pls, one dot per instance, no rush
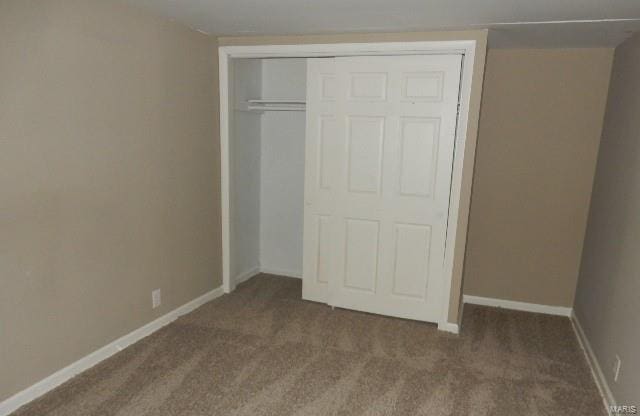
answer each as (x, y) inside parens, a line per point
(449, 327)
(465, 47)
(60, 376)
(596, 370)
(254, 271)
(223, 71)
(348, 49)
(466, 77)
(281, 272)
(518, 306)
(243, 277)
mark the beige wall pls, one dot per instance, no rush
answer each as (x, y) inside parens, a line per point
(540, 125)
(607, 296)
(110, 185)
(472, 128)
(109, 182)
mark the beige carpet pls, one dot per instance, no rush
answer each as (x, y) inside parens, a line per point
(264, 351)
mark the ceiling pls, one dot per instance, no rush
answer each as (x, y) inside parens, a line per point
(513, 23)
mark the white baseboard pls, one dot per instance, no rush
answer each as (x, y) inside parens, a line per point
(244, 276)
(54, 380)
(281, 272)
(449, 327)
(518, 306)
(596, 370)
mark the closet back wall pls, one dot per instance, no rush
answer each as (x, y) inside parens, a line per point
(267, 169)
(282, 169)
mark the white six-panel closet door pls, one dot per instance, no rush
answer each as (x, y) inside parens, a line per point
(321, 178)
(379, 154)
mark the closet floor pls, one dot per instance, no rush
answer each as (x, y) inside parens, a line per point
(262, 350)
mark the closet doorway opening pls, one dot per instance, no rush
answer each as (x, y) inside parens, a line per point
(266, 166)
(265, 201)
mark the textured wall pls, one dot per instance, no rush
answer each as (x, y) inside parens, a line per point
(109, 185)
(540, 126)
(609, 284)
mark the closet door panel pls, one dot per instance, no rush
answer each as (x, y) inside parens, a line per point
(389, 149)
(316, 270)
(321, 176)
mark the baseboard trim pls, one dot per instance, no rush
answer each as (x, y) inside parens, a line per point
(596, 370)
(449, 327)
(244, 276)
(54, 380)
(518, 306)
(280, 272)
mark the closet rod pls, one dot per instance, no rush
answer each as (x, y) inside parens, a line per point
(275, 101)
(275, 108)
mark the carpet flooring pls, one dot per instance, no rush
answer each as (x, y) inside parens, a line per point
(263, 351)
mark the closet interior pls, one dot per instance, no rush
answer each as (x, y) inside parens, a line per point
(266, 160)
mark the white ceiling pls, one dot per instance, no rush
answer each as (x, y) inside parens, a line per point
(514, 23)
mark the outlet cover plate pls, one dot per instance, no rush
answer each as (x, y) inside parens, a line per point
(156, 298)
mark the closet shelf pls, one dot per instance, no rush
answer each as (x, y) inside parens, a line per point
(275, 101)
(275, 105)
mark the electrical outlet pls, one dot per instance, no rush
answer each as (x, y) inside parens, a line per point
(616, 368)
(156, 298)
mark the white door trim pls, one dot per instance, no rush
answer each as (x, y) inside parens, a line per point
(465, 47)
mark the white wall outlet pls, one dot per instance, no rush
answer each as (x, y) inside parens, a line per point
(156, 298)
(616, 368)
